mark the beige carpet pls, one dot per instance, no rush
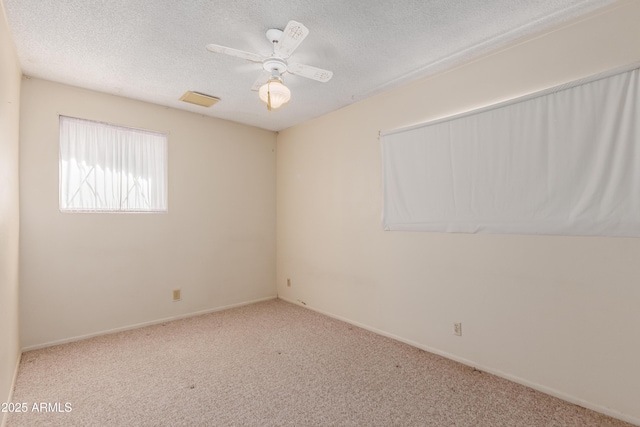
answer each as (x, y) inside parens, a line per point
(270, 364)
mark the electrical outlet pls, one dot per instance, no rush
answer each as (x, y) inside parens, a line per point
(457, 329)
(288, 282)
(176, 294)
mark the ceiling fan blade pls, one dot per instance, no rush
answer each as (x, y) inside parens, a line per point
(292, 36)
(262, 79)
(254, 57)
(310, 72)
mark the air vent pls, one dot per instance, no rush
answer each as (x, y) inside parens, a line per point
(199, 99)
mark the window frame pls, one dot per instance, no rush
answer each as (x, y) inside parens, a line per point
(123, 145)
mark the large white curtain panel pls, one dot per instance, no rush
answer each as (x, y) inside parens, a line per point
(562, 162)
(107, 168)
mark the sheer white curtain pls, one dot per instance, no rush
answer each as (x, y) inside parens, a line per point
(111, 168)
(566, 162)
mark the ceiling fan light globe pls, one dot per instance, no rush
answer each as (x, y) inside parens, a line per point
(276, 92)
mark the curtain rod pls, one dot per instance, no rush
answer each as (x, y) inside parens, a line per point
(553, 89)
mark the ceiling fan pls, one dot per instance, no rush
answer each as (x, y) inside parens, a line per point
(269, 85)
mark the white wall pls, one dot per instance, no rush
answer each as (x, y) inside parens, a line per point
(557, 313)
(83, 274)
(10, 75)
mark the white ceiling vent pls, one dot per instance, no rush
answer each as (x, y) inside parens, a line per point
(199, 99)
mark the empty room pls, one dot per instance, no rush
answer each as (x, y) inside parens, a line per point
(320, 213)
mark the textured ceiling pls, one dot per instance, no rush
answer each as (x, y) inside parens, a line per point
(154, 50)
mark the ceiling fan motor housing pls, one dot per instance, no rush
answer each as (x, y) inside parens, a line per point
(275, 64)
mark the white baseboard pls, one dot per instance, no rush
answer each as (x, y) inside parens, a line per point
(515, 379)
(3, 418)
(140, 325)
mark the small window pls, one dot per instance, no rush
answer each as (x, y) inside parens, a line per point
(107, 168)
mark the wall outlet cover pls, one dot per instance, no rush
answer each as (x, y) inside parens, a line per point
(457, 329)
